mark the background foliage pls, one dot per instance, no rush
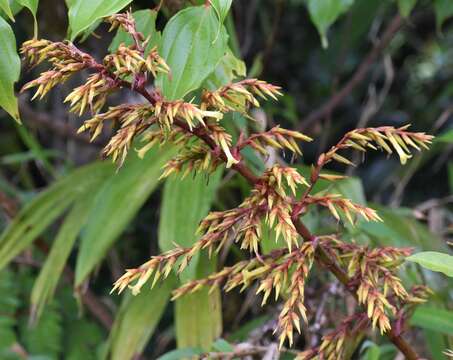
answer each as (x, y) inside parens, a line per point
(72, 224)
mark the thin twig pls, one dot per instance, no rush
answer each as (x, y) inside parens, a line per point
(358, 76)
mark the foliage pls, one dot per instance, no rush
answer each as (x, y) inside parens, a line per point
(173, 102)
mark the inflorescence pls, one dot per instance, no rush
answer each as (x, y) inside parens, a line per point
(279, 196)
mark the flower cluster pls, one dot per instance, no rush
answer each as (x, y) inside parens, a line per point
(204, 144)
(239, 96)
(373, 271)
(335, 203)
(277, 138)
(384, 137)
(65, 58)
(333, 344)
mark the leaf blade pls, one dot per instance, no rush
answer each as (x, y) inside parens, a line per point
(83, 13)
(9, 70)
(434, 261)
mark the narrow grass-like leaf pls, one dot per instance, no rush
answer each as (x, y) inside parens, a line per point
(184, 204)
(137, 319)
(116, 205)
(47, 281)
(37, 215)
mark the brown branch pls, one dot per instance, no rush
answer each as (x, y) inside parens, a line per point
(93, 304)
(359, 75)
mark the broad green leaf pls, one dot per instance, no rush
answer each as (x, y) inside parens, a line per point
(371, 351)
(83, 13)
(145, 21)
(9, 69)
(446, 136)
(137, 319)
(31, 5)
(47, 281)
(434, 261)
(221, 7)
(443, 10)
(116, 205)
(228, 69)
(4, 6)
(400, 228)
(38, 214)
(323, 13)
(405, 6)
(435, 319)
(435, 342)
(192, 46)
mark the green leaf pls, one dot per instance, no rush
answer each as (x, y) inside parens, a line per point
(435, 342)
(116, 205)
(323, 13)
(145, 21)
(446, 136)
(405, 6)
(187, 353)
(83, 13)
(228, 69)
(434, 261)
(221, 7)
(37, 215)
(221, 345)
(137, 319)
(400, 228)
(436, 319)
(31, 5)
(198, 316)
(192, 46)
(4, 6)
(9, 69)
(185, 202)
(47, 281)
(443, 10)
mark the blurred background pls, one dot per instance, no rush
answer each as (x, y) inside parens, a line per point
(377, 67)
